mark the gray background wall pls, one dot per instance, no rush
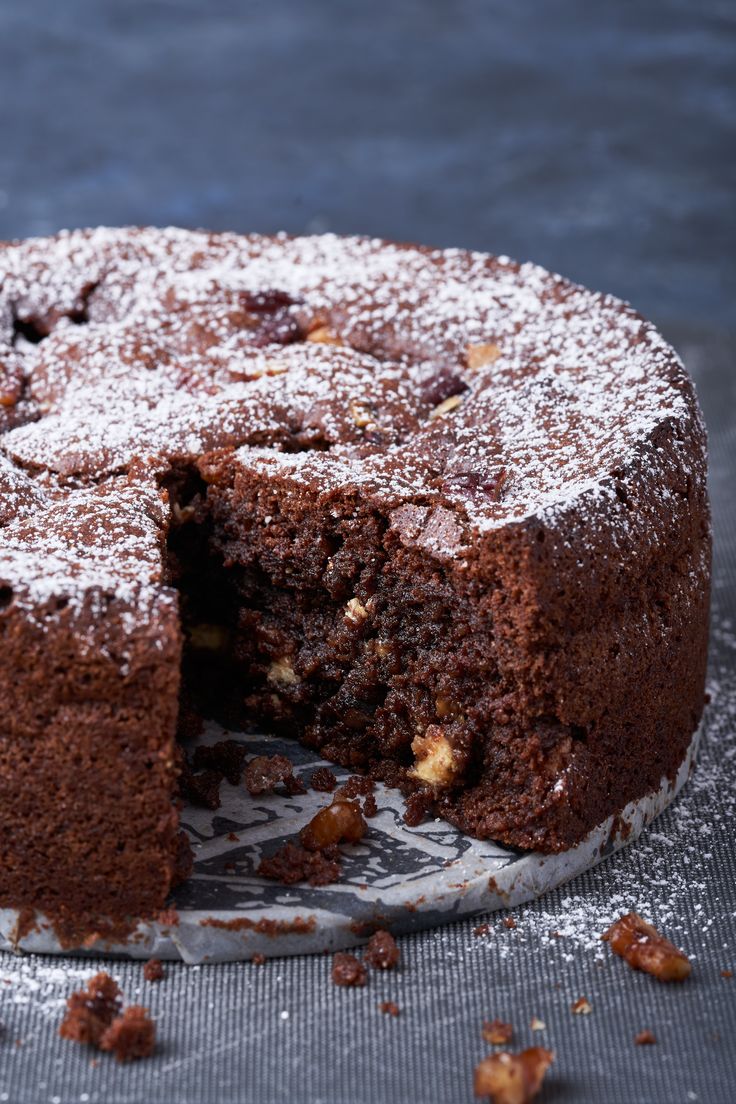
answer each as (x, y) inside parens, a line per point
(596, 138)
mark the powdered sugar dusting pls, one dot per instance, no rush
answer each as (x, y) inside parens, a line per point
(158, 345)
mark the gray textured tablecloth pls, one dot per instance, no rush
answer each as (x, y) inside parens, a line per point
(596, 139)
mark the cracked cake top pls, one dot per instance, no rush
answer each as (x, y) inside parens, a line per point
(477, 389)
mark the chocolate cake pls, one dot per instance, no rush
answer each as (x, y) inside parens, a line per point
(439, 515)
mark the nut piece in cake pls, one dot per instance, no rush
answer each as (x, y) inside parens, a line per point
(130, 1036)
(355, 611)
(445, 407)
(282, 672)
(477, 356)
(508, 1078)
(322, 335)
(641, 945)
(434, 757)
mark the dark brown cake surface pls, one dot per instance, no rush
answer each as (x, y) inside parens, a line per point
(437, 514)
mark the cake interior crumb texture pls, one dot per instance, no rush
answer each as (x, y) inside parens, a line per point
(440, 516)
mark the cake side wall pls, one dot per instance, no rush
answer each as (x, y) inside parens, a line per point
(87, 826)
(603, 628)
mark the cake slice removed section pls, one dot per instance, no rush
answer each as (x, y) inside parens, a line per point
(528, 678)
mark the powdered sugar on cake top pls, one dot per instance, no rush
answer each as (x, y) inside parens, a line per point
(446, 379)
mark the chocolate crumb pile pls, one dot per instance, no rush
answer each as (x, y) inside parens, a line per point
(95, 1017)
(293, 863)
(381, 953)
(316, 858)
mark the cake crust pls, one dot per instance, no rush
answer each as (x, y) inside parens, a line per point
(440, 515)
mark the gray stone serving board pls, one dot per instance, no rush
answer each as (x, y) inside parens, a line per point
(398, 877)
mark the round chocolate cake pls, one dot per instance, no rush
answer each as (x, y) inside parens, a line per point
(439, 515)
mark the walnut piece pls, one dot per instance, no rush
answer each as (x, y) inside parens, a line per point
(322, 335)
(282, 672)
(477, 356)
(641, 945)
(445, 407)
(512, 1078)
(355, 611)
(341, 822)
(361, 416)
(434, 757)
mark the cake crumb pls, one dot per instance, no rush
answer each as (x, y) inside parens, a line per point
(154, 970)
(416, 807)
(645, 1038)
(357, 785)
(581, 1007)
(264, 772)
(727, 974)
(535, 1024)
(201, 788)
(382, 953)
(293, 863)
(227, 757)
(389, 1008)
(258, 959)
(482, 929)
(509, 922)
(347, 970)
(90, 1011)
(323, 780)
(370, 806)
(497, 1032)
(131, 1035)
